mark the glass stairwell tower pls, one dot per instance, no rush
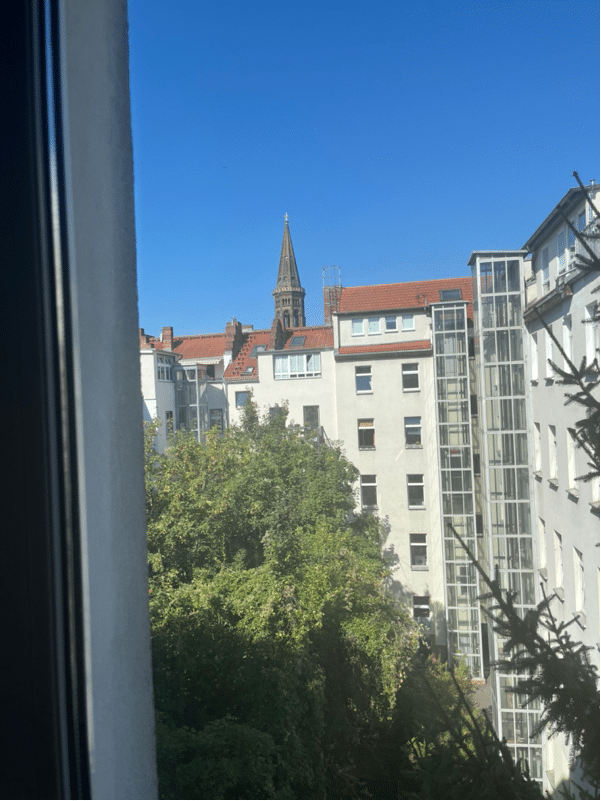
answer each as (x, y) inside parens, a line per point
(506, 472)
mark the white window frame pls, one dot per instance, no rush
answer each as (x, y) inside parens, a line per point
(419, 605)
(558, 550)
(413, 428)
(244, 392)
(405, 371)
(366, 424)
(548, 355)
(296, 365)
(364, 483)
(305, 423)
(363, 370)
(552, 441)
(164, 366)
(416, 484)
(407, 322)
(534, 357)
(567, 339)
(591, 330)
(546, 280)
(418, 550)
(579, 585)
(390, 323)
(357, 326)
(373, 323)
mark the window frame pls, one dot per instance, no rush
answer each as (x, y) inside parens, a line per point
(366, 428)
(290, 359)
(417, 542)
(355, 321)
(376, 322)
(405, 373)
(363, 370)
(395, 324)
(246, 393)
(421, 484)
(365, 487)
(411, 319)
(305, 423)
(407, 426)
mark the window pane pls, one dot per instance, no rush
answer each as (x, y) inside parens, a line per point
(357, 326)
(373, 325)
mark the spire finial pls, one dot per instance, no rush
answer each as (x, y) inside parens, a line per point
(286, 217)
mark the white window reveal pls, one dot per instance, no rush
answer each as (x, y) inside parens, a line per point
(415, 491)
(297, 365)
(357, 327)
(373, 325)
(408, 322)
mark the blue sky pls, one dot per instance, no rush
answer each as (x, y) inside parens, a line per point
(398, 138)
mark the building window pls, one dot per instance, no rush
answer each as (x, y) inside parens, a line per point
(164, 368)
(571, 451)
(537, 449)
(591, 327)
(558, 542)
(390, 323)
(311, 417)
(410, 377)
(415, 491)
(407, 322)
(542, 544)
(567, 339)
(534, 357)
(450, 294)
(357, 327)
(363, 379)
(413, 432)
(419, 553)
(297, 365)
(552, 453)
(581, 221)
(366, 434)
(545, 270)
(261, 349)
(241, 398)
(421, 606)
(579, 599)
(216, 419)
(373, 325)
(169, 422)
(561, 251)
(548, 355)
(369, 492)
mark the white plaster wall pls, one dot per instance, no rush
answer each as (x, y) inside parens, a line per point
(297, 392)
(391, 461)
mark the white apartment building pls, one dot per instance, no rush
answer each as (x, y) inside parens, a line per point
(566, 515)
(438, 392)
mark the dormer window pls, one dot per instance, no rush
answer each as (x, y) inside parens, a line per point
(257, 349)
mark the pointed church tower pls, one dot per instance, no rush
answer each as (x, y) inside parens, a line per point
(289, 295)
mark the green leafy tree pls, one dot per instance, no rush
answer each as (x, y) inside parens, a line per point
(273, 633)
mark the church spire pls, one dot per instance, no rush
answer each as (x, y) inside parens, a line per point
(289, 296)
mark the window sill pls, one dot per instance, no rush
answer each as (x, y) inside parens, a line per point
(574, 493)
(595, 506)
(367, 447)
(413, 447)
(553, 483)
(373, 333)
(559, 593)
(542, 571)
(364, 392)
(420, 567)
(391, 331)
(581, 619)
(416, 507)
(369, 508)
(538, 475)
(416, 389)
(534, 382)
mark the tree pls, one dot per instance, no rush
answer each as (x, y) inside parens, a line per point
(273, 633)
(550, 667)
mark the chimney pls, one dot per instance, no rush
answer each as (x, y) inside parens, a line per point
(167, 337)
(331, 301)
(277, 337)
(233, 341)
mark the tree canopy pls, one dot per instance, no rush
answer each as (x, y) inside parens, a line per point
(283, 666)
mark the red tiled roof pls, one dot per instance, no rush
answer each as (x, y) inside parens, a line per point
(419, 344)
(411, 295)
(203, 346)
(235, 371)
(316, 336)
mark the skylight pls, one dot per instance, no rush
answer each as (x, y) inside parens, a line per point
(297, 342)
(450, 294)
